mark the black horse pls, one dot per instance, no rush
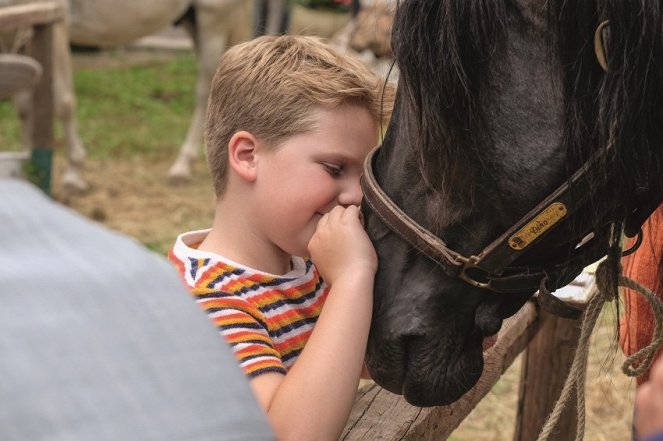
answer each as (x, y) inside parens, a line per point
(501, 105)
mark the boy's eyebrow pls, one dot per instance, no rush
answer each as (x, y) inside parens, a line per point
(340, 156)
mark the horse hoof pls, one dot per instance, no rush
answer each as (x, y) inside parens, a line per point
(72, 183)
(179, 173)
(78, 154)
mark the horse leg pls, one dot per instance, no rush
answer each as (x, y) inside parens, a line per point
(65, 109)
(213, 21)
(23, 105)
(65, 105)
(275, 10)
(180, 171)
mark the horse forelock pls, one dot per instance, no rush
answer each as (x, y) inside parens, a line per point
(444, 50)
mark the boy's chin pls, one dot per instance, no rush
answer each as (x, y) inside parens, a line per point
(303, 255)
(299, 252)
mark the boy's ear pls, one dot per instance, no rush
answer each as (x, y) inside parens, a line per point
(242, 155)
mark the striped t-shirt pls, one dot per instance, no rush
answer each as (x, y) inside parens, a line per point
(267, 319)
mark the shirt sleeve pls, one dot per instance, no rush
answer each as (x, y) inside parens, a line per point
(241, 324)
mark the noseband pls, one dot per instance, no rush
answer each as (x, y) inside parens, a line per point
(490, 269)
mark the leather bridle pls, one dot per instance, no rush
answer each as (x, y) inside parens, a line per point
(491, 268)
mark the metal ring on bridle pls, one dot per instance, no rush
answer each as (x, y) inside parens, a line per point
(600, 43)
(636, 245)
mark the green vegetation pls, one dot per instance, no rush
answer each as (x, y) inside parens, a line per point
(125, 111)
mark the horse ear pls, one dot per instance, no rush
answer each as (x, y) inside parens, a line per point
(242, 159)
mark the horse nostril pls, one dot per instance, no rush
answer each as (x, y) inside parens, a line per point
(489, 326)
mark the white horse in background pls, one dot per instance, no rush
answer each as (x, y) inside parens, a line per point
(209, 53)
(213, 25)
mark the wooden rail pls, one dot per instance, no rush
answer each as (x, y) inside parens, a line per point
(41, 16)
(30, 14)
(381, 415)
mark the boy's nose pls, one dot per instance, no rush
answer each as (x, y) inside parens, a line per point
(351, 194)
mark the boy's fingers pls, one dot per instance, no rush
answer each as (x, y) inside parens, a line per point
(337, 212)
(323, 220)
(352, 212)
(340, 212)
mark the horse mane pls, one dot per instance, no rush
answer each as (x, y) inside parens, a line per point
(623, 106)
(450, 43)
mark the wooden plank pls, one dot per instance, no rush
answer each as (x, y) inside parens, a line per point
(41, 16)
(546, 365)
(380, 415)
(14, 17)
(42, 51)
(43, 107)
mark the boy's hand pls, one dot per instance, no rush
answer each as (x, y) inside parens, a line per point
(340, 246)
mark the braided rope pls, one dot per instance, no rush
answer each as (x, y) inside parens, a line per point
(644, 357)
(575, 381)
(606, 292)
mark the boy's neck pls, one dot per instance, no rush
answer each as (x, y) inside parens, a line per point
(232, 236)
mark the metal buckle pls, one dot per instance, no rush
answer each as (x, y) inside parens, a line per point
(471, 263)
(635, 246)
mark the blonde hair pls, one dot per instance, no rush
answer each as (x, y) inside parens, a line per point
(270, 87)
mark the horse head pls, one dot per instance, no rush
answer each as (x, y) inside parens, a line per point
(505, 127)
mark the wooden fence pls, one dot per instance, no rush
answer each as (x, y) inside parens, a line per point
(41, 16)
(549, 343)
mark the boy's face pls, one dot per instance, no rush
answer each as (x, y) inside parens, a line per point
(309, 174)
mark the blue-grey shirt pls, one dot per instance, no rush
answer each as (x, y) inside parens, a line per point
(100, 341)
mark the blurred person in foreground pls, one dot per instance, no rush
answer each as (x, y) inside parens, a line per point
(98, 339)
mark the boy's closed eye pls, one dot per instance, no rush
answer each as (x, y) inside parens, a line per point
(334, 170)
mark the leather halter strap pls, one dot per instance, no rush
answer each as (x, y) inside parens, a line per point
(490, 268)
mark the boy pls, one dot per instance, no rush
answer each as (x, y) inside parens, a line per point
(289, 124)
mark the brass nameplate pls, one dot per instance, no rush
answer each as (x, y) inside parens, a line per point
(537, 226)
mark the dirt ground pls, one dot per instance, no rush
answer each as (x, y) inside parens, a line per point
(135, 198)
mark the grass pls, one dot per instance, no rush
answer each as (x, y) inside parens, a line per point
(127, 110)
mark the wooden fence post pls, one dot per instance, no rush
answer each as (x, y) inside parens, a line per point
(43, 107)
(42, 16)
(546, 364)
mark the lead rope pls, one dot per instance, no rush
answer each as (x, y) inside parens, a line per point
(634, 365)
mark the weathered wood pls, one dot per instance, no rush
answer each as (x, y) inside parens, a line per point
(42, 16)
(13, 17)
(42, 101)
(43, 105)
(380, 415)
(546, 364)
